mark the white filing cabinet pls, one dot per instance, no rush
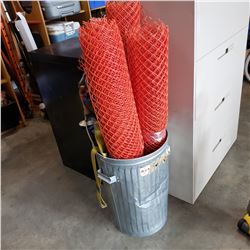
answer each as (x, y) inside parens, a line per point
(206, 59)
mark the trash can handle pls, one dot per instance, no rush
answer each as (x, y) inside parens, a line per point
(107, 179)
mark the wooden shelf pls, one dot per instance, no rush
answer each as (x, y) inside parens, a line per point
(32, 22)
(37, 22)
(3, 81)
(98, 8)
(51, 20)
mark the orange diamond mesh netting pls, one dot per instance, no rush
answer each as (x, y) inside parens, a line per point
(126, 14)
(104, 64)
(147, 54)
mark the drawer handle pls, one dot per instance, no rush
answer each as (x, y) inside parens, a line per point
(218, 143)
(228, 49)
(222, 100)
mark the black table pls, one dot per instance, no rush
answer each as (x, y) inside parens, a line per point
(56, 70)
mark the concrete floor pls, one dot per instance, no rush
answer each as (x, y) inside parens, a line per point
(48, 206)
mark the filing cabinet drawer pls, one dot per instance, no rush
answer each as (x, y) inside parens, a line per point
(217, 74)
(214, 136)
(212, 150)
(218, 21)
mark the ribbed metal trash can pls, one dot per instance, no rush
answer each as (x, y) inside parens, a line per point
(138, 191)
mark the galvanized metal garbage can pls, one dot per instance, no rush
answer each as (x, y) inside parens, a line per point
(137, 191)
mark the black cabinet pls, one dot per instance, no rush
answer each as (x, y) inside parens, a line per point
(56, 70)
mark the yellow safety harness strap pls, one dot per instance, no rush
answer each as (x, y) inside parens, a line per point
(101, 201)
(99, 140)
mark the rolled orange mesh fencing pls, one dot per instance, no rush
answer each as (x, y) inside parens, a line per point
(109, 85)
(126, 14)
(147, 55)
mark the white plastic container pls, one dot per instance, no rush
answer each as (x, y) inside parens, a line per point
(60, 31)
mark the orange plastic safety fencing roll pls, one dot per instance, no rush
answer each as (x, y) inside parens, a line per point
(126, 14)
(109, 85)
(147, 54)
